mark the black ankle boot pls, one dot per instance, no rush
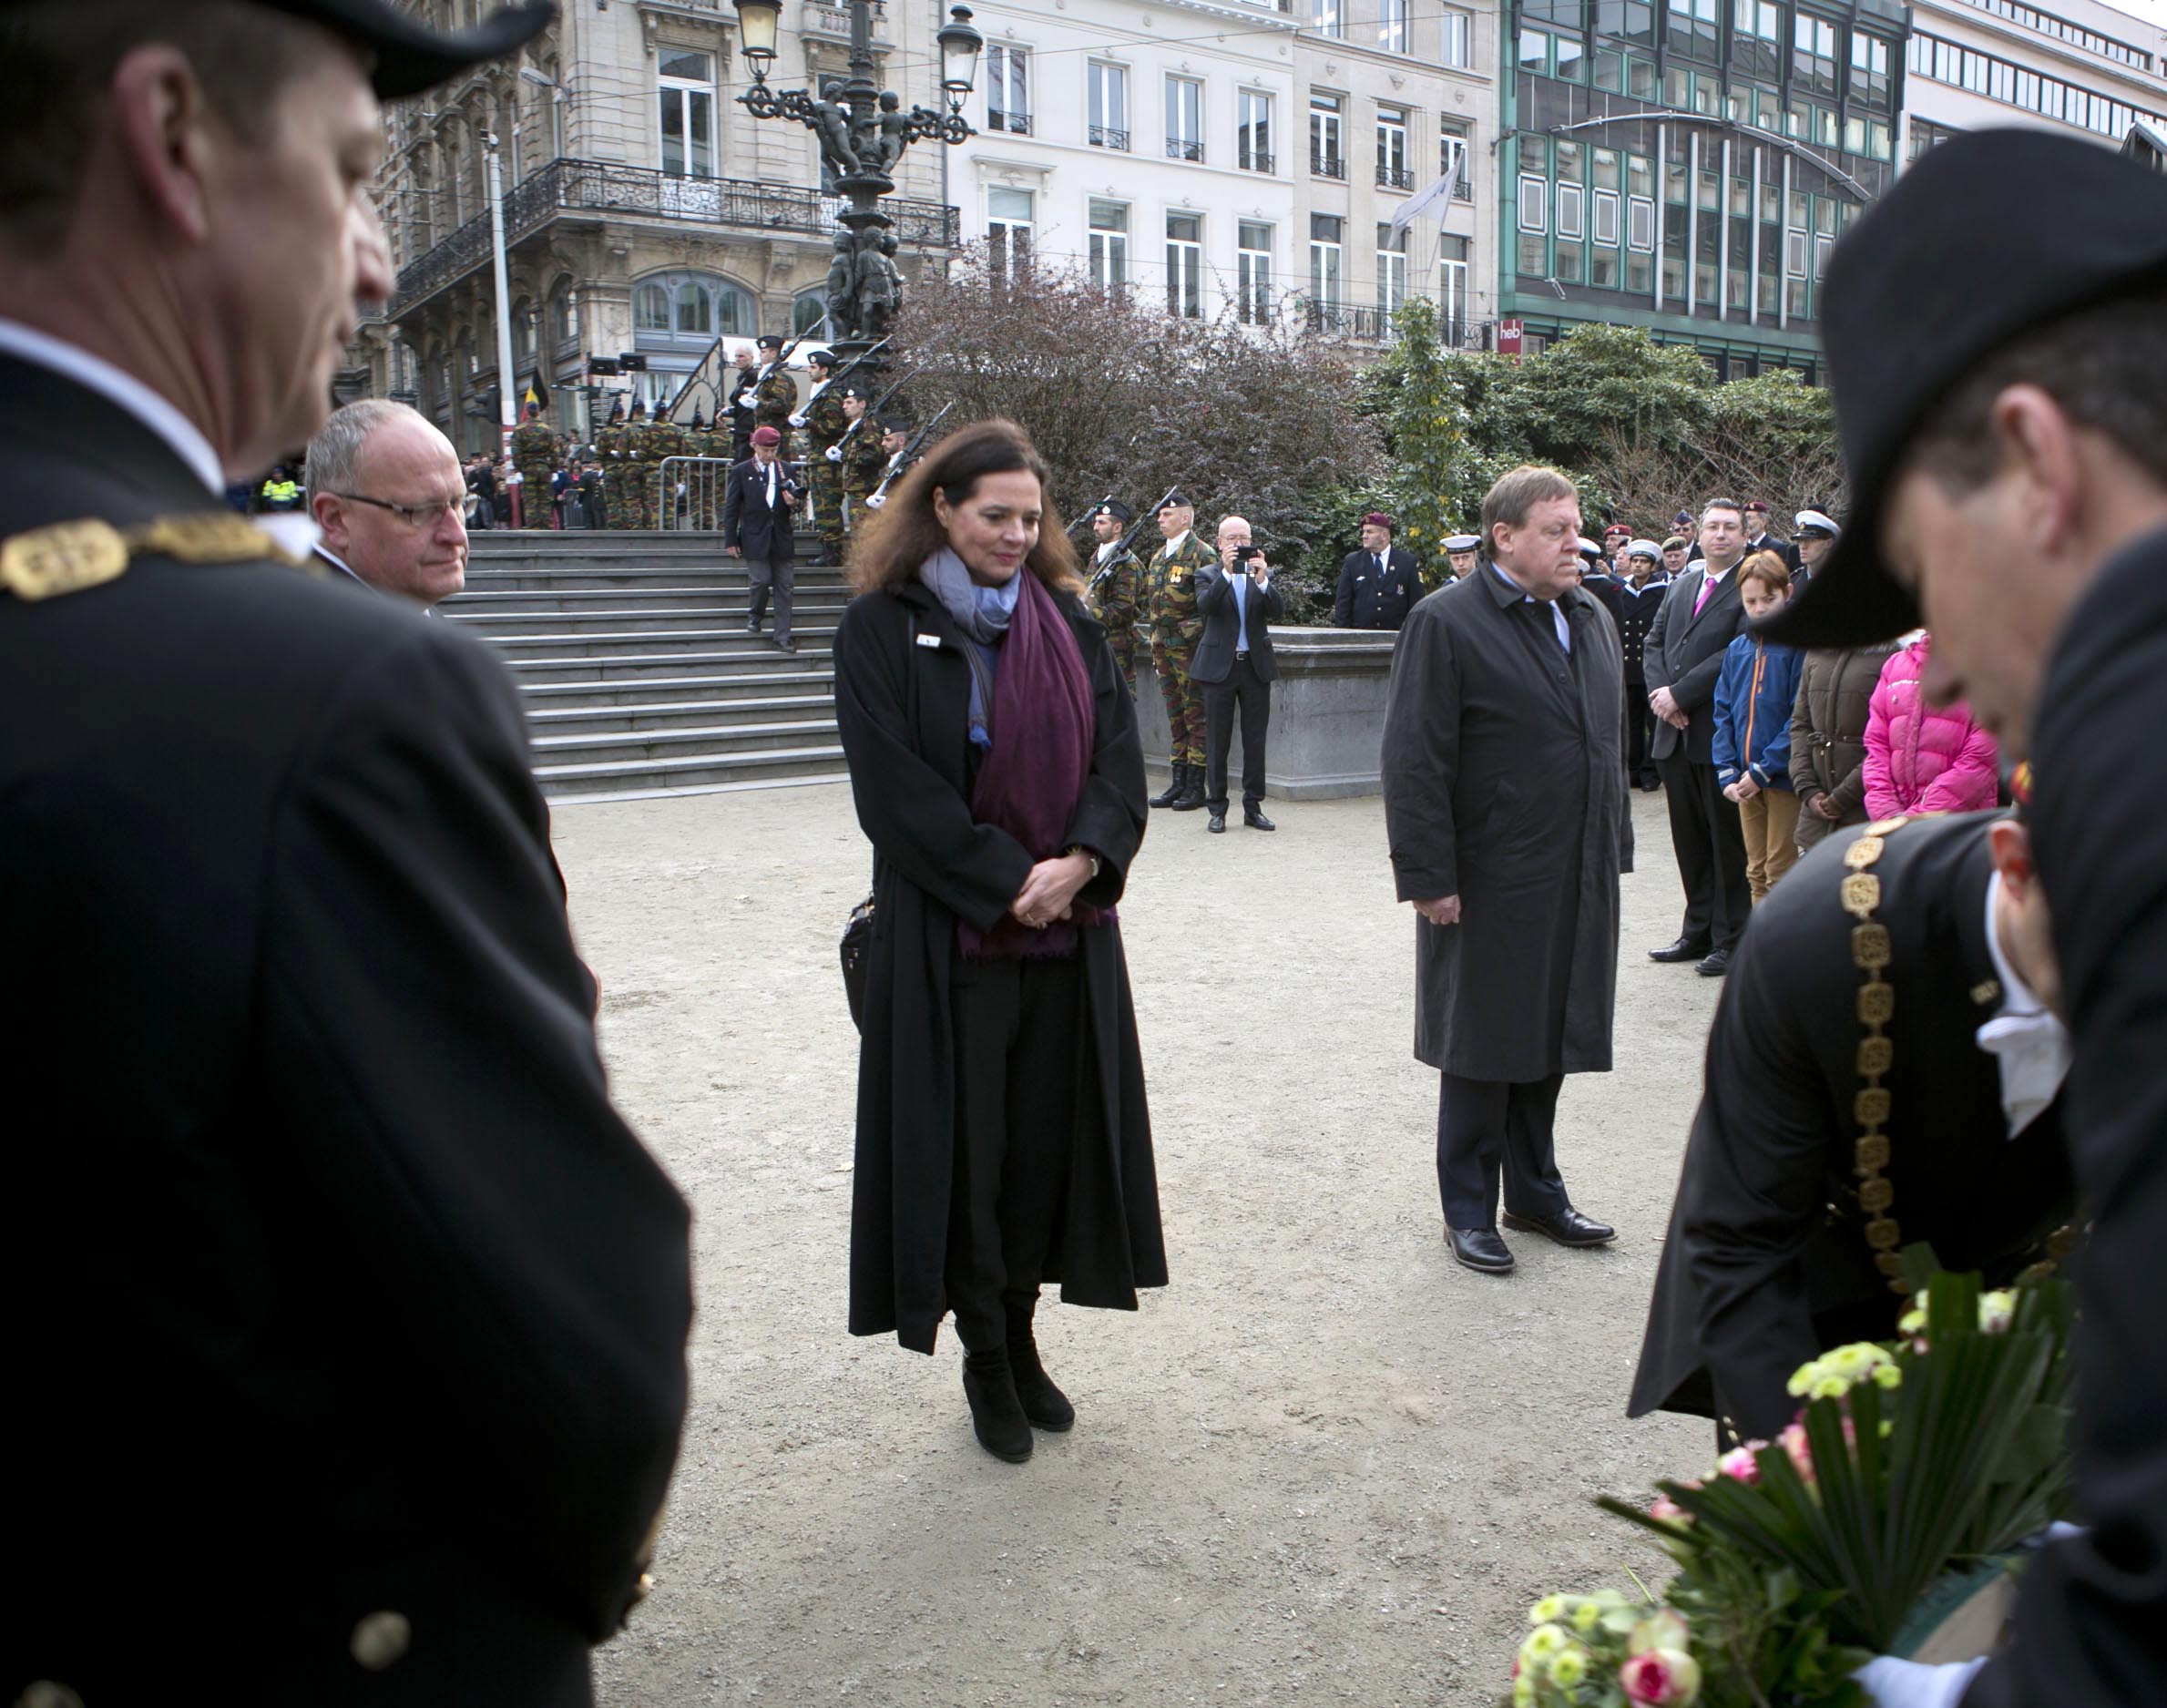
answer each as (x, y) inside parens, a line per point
(1174, 787)
(996, 1413)
(1044, 1404)
(1192, 790)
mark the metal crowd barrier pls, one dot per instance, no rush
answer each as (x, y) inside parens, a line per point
(693, 489)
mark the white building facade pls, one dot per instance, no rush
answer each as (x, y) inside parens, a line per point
(2078, 68)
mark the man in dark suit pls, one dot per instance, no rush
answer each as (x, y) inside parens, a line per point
(757, 503)
(1234, 665)
(2031, 406)
(1757, 537)
(1379, 584)
(1505, 803)
(1768, 1262)
(1682, 657)
(311, 1158)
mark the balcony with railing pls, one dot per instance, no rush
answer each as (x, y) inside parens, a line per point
(1357, 324)
(1014, 124)
(1107, 136)
(591, 191)
(1183, 148)
(1325, 164)
(1256, 161)
(1394, 177)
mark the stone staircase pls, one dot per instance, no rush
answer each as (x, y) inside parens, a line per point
(639, 677)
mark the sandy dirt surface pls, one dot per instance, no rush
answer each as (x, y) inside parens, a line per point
(1325, 1465)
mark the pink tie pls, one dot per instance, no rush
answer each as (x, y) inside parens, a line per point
(1707, 587)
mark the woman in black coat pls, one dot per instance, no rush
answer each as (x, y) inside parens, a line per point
(1002, 1137)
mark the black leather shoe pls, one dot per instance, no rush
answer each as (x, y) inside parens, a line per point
(1479, 1249)
(1715, 966)
(1217, 822)
(1684, 949)
(786, 647)
(1567, 1227)
(1176, 786)
(997, 1413)
(1256, 819)
(1044, 1404)
(752, 625)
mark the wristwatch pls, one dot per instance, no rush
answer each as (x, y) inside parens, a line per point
(1078, 848)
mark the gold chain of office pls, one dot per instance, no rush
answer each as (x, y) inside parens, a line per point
(1871, 953)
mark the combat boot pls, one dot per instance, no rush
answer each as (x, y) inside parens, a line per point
(1176, 787)
(1192, 795)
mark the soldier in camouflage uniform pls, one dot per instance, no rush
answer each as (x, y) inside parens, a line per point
(741, 416)
(665, 438)
(701, 484)
(534, 453)
(639, 489)
(1171, 620)
(1116, 596)
(824, 421)
(609, 450)
(775, 398)
(859, 457)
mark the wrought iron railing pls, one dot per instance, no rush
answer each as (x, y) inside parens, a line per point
(1256, 161)
(1343, 320)
(1324, 164)
(1181, 149)
(593, 189)
(1395, 178)
(1107, 136)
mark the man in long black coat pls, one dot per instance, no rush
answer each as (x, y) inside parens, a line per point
(346, 1319)
(1698, 619)
(1505, 803)
(2033, 406)
(759, 501)
(1768, 1262)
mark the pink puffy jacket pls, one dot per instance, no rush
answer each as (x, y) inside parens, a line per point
(1919, 760)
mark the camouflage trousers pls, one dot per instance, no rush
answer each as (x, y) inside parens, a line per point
(1184, 705)
(827, 502)
(1123, 642)
(640, 494)
(533, 495)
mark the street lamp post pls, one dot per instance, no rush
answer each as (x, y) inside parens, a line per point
(862, 137)
(508, 402)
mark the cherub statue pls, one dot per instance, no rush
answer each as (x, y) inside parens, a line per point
(843, 295)
(831, 124)
(879, 285)
(895, 134)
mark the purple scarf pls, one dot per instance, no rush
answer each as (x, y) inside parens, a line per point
(1044, 721)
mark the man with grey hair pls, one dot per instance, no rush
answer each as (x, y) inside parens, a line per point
(1234, 665)
(1505, 803)
(312, 1155)
(385, 487)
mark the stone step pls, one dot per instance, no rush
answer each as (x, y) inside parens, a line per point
(721, 689)
(501, 623)
(757, 658)
(634, 584)
(604, 642)
(608, 746)
(686, 771)
(781, 710)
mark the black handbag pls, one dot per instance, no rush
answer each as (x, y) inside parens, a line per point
(857, 944)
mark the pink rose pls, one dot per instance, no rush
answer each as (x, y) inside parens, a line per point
(1793, 1442)
(1663, 1678)
(1669, 1511)
(1738, 1464)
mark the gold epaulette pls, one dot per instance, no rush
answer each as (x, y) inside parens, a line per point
(67, 556)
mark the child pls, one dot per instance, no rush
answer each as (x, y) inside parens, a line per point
(1921, 759)
(1754, 697)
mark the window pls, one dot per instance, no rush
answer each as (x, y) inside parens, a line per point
(1535, 196)
(1184, 119)
(1008, 89)
(809, 313)
(1606, 217)
(1109, 245)
(1452, 288)
(687, 85)
(1631, 21)
(1108, 93)
(650, 309)
(522, 332)
(1327, 253)
(1392, 271)
(1393, 171)
(1253, 272)
(1325, 16)
(1813, 56)
(1757, 39)
(1392, 26)
(1926, 135)
(1869, 70)
(1689, 28)
(1185, 265)
(1452, 150)
(677, 315)
(1008, 232)
(1572, 211)
(692, 311)
(564, 313)
(1640, 223)
(1458, 47)
(1326, 157)
(1252, 131)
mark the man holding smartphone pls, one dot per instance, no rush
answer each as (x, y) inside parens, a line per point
(1234, 665)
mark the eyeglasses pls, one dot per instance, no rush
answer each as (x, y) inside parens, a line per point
(414, 514)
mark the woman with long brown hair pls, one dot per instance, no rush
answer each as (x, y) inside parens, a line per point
(1002, 1137)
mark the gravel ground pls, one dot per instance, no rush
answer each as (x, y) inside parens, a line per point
(1325, 1465)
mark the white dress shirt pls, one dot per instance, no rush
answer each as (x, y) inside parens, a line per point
(26, 344)
(2029, 1043)
(1557, 611)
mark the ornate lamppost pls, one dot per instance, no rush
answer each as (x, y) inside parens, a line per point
(862, 137)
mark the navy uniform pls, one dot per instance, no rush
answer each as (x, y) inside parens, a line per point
(348, 1317)
(1459, 556)
(1636, 604)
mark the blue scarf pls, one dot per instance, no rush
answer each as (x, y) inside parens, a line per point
(983, 614)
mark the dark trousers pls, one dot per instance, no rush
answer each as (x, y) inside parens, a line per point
(1243, 686)
(1018, 1038)
(1711, 850)
(1486, 1128)
(780, 574)
(1639, 735)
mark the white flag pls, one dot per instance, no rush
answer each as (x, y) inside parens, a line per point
(1438, 193)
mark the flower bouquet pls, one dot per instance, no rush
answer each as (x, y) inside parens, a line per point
(1801, 1559)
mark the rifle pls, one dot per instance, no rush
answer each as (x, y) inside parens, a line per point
(851, 432)
(879, 494)
(1134, 529)
(873, 350)
(744, 399)
(1086, 517)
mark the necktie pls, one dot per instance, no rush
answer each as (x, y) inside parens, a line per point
(1707, 587)
(1380, 566)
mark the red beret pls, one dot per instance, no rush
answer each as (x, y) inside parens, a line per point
(1377, 518)
(766, 435)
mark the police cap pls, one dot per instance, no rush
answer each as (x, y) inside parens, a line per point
(1463, 542)
(408, 57)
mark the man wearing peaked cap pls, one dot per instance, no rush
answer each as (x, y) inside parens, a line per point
(1813, 532)
(1175, 626)
(2003, 415)
(1459, 555)
(1116, 594)
(348, 1315)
